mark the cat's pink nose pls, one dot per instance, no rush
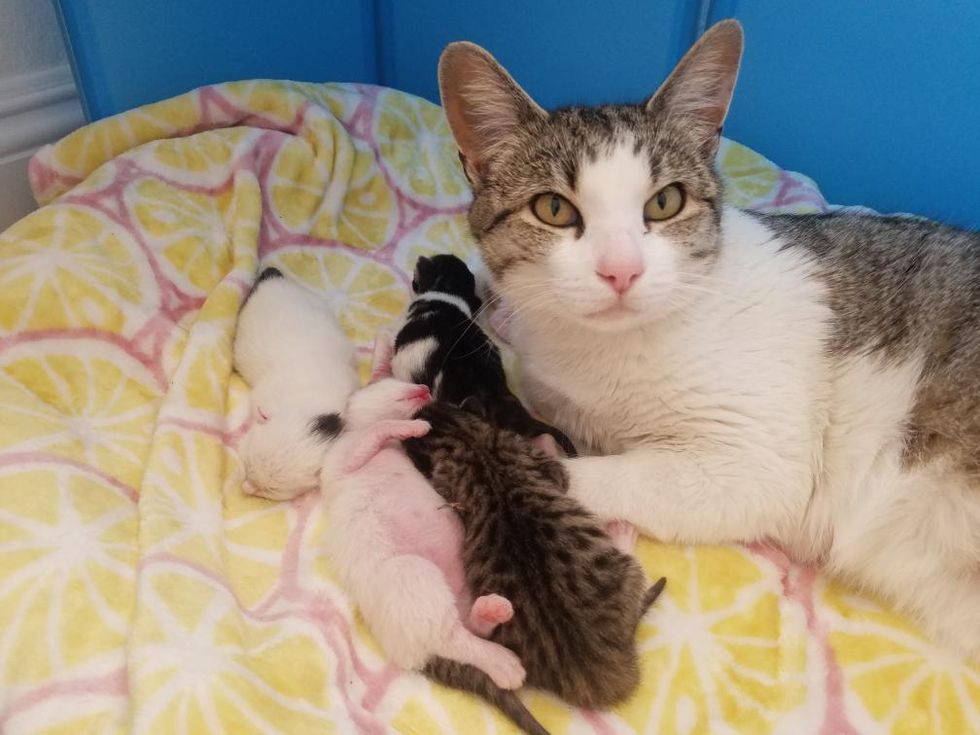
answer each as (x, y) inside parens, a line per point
(619, 274)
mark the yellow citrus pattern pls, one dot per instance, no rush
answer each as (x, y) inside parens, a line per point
(67, 553)
(415, 143)
(200, 668)
(70, 267)
(898, 682)
(200, 159)
(438, 234)
(93, 405)
(186, 228)
(81, 152)
(341, 100)
(349, 201)
(754, 182)
(141, 591)
(366, 295)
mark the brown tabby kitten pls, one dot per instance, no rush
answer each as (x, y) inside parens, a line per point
(577, 598)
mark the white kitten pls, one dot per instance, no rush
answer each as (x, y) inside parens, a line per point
(300, 365)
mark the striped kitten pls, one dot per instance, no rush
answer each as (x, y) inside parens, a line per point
(577, 595)
(441, 346)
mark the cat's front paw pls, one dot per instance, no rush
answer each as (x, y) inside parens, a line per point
(417, 428)
(622, 534)
(584, 486)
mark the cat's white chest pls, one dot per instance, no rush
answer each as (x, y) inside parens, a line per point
(609, 402)
(748, 358)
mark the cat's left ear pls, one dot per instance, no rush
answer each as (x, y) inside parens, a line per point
(485, 107)
(700, 88)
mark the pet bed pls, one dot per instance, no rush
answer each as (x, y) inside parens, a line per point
(141, 591)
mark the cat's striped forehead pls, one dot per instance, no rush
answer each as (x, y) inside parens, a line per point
(552, 154)
(608, 161)
(611, 188)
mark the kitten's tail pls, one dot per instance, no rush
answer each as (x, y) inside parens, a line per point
(652, 594)
(470, 679)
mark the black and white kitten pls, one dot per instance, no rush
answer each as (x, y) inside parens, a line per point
(441, 346)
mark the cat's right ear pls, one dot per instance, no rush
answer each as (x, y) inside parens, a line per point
(484, 105)
(699, 90)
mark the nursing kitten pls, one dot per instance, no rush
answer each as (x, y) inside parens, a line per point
(809, 379)
(300, 366)
(397, 549)
(441, 346)
(577, 595)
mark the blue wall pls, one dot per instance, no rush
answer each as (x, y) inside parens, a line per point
(130, 52)
(878, 100)
(560, 52)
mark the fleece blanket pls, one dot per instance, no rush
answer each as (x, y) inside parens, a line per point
(141, 591)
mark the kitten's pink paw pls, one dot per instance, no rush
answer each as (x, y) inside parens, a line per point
(505, 668)
(419, 428)
(491, 610)
(622, 534)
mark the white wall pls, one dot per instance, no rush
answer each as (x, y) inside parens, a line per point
(38, 101)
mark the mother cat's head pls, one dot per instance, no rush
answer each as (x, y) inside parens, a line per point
(608, 216)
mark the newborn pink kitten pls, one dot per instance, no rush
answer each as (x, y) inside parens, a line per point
(396, 545)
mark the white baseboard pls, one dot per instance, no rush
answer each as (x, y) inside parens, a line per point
(35, 109)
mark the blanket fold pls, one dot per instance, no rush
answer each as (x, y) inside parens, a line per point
(141, 591)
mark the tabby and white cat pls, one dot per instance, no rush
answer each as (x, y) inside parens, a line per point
(813, 380)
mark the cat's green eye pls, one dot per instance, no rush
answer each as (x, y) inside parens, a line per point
(665, 204)
(555, 210)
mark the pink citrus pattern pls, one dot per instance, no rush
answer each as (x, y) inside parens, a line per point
(141, 591)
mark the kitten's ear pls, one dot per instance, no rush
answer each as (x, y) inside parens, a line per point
(384, 347)
(484, 105)
(423, 266)
(701, 85)
(421, 275)
(472, 404)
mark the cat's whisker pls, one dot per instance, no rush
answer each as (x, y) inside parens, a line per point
(690, 287)
(526, 306)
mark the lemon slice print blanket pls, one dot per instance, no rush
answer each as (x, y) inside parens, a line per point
(141, 591)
